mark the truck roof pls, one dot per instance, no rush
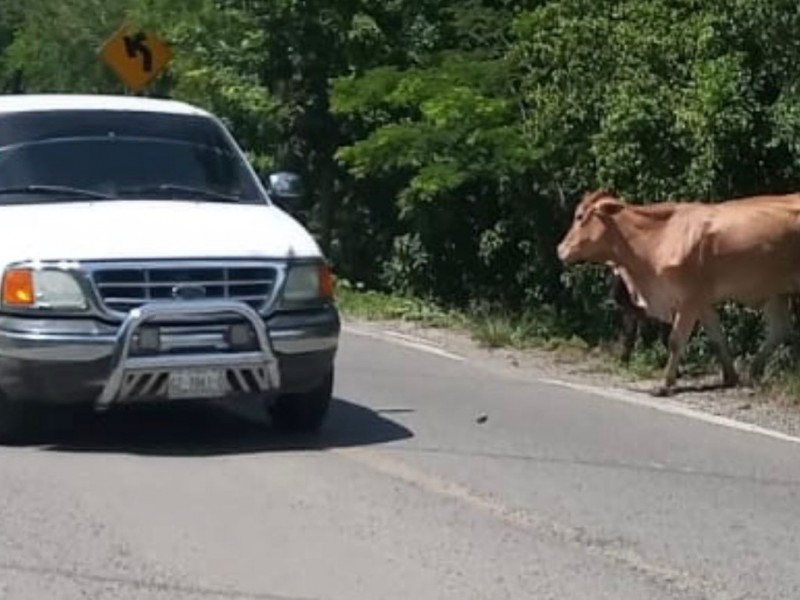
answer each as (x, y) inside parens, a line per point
(15, 103)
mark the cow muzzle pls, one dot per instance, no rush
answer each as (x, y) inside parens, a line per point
(564, 254)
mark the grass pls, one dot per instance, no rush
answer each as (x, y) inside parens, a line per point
(489, 328)
(378, 306)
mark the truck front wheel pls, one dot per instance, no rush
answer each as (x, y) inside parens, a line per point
(304, 412)
(20, 422)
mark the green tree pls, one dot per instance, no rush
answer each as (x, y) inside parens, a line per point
(448, 127)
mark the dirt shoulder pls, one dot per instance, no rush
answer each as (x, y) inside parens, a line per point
(744, 403)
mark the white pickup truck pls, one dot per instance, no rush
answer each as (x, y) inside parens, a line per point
(144, 260)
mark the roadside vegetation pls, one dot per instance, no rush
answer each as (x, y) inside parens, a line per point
(488, 327)
(446, 141)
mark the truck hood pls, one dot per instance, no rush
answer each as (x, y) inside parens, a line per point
(143, 229)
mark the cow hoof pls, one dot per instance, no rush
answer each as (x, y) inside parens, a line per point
(663, 391)
(757, 368)
(730, 381)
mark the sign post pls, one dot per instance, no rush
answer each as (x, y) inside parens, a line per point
(137, 57)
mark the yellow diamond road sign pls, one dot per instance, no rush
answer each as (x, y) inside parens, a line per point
(137, 57)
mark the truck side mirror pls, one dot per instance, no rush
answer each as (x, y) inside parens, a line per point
(284, 186)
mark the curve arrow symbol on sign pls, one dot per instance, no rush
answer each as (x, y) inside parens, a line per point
(136, 45)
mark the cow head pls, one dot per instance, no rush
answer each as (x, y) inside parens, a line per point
(588, 238)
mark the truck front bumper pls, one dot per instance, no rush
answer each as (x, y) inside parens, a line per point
(59, 361)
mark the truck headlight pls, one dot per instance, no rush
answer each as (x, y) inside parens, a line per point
(48, 289)
(307, 283)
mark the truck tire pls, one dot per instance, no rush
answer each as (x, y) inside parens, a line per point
(305, 412)
(20, 422)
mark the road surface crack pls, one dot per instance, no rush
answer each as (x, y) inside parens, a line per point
(615, 551)
(137, 583)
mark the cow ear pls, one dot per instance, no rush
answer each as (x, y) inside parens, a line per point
(608, 207)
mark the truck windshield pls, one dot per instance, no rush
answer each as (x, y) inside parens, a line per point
(72, 155)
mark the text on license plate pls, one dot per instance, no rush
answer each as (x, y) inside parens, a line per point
(197, 383)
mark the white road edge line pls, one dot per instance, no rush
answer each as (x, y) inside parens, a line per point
(671, 407)
(403, 340)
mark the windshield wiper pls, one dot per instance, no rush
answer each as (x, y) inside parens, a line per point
(53, 190)
(188, 189)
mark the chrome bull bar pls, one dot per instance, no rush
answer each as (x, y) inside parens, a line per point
(254, 370)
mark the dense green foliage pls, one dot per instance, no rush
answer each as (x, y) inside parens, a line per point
(447, 141)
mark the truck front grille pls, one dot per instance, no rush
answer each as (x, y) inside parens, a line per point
(122, 289)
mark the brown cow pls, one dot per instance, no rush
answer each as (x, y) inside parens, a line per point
(680, 259)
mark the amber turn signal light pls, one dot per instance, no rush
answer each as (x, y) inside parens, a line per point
(18, 288)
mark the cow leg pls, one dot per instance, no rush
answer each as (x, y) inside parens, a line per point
(664, 331)
(711, 324)
(629, 330)
(663, 334)
(682, 328)
(778, 319)
(630, 327)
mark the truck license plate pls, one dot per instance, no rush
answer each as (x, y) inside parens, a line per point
(197, 383)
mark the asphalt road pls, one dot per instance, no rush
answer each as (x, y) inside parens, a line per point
(558, 494)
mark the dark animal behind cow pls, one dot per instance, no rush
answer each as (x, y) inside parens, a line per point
(634, 321)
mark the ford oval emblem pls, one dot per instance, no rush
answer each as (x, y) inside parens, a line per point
(188, 292)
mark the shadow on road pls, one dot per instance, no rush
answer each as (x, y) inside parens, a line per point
(209, 430)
